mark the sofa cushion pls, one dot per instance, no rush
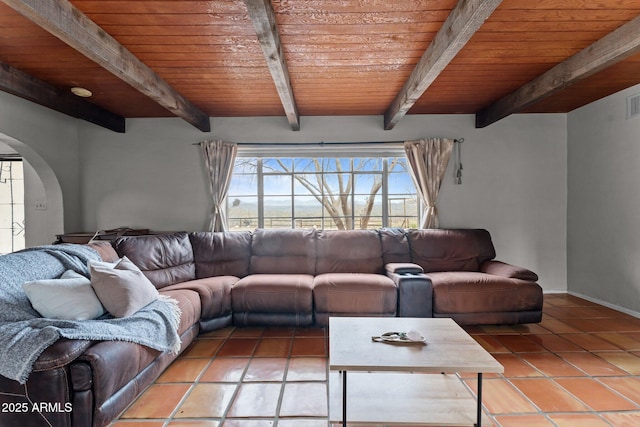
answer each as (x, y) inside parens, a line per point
(105, 250)
(395, 245)
(273, 293)
(500, 268)
(450, 250)
(473, 292)
(214, 293)
(349, 251)
(70, 297)
(190, 307)
(283, 251)
(353, 294)
(221, 253)
(164, 258)
(122, 288)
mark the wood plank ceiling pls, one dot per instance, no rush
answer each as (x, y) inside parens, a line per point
(296, 58)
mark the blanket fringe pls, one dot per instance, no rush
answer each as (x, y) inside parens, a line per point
(176, 316)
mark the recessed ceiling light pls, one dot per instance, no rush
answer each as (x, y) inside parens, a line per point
(81, 92)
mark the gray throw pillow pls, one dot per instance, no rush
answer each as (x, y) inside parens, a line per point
(122, 288)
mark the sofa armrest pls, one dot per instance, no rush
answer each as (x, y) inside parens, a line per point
(61, 353)
(500, 268)
(403, 268)
(415, 294)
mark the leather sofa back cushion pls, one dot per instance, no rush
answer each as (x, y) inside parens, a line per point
(283, 251)
(165, 258)
(105, 250)
(450, 250)
(395, 246)
(221, 253)
(351, 251)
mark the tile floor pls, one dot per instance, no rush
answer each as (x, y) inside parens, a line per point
(579, 367)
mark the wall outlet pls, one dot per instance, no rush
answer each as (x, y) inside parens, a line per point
(41, 206)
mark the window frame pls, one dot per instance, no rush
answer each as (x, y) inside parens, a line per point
(382, 151)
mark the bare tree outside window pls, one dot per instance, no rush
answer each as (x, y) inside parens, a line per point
(333, 193)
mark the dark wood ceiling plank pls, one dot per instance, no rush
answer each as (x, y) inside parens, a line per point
(25, 86)
(69, 24)
(264, 21)
(609, 50)
(463, 21)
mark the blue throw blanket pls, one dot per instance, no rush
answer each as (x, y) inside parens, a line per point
(24, 335)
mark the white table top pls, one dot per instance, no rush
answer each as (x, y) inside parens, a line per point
(448, 347)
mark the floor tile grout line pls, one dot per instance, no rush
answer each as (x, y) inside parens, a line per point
(238, 383)
(284, 378)
(195, 382)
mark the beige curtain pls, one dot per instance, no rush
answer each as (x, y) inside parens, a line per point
(428, 159)
(219, 157)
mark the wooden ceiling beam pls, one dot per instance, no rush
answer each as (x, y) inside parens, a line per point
(463, 21)
(612, 48)
(69, 24)
(264, 21)
(28, 87)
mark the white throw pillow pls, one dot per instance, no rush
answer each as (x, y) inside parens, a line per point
(123, 289)
(70, 297)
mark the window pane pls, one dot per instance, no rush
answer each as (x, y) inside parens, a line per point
(365, 183)
(403, 222)
(242, 212)
(331, 164)
(397, 164)
(368, 164)
(277, 185)
(307, 165)
(368, 212)
(277, 212)
(5, 216)
(245, 165)
(372, 222)
(312, 184)
(341, 215)
(277, 165)
(337, 182)
(307, 206)
(403, 205)
(243, 185)
(400, 183)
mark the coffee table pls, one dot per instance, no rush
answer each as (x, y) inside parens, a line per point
(387, 383)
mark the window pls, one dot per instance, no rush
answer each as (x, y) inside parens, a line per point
(321, 192)
(11, 204)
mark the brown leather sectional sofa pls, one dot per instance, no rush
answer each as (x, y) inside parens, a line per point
(276, 277)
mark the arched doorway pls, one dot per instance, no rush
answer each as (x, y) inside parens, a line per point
(43, 207)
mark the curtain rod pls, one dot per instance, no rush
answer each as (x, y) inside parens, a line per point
(321, 143)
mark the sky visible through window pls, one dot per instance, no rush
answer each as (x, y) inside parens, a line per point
(324, 193)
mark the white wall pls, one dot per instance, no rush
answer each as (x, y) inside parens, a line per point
(514, 181)
(603, 211)
(48, 141)
(36, 232)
